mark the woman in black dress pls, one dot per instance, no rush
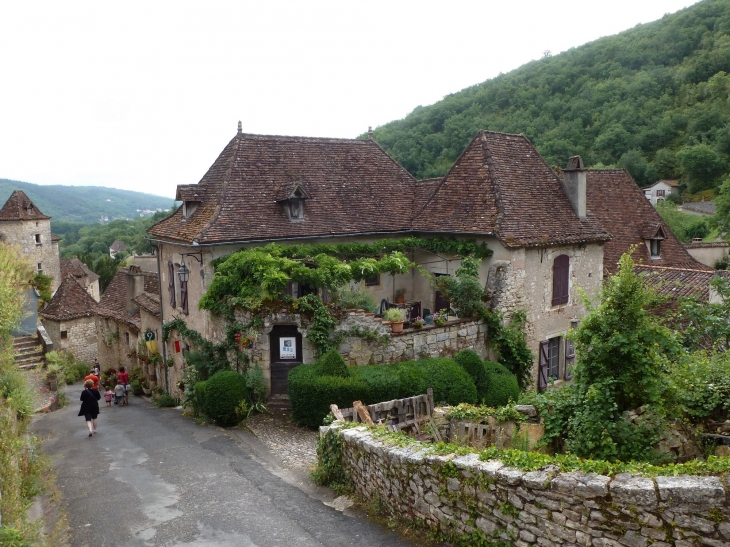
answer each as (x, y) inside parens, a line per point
(90, 406)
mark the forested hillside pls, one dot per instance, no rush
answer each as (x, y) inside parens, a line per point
(653, 99)
(85, 203)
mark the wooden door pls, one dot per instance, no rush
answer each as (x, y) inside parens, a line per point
(440, 302)
(285, 343)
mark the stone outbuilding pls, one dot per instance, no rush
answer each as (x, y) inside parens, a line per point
(70, 322)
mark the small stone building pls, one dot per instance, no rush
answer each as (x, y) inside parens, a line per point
(24, 225)
(83, 275)
(118, 323)
(70, 322)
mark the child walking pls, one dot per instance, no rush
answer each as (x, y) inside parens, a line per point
(108, 394)
(119, 393)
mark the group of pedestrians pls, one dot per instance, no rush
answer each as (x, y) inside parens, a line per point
(90, 396)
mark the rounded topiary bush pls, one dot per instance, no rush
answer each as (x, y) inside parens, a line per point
(383, 383)
(311, 395)
(470, 361)
(332, 364)
(501, 385)
(224, 391)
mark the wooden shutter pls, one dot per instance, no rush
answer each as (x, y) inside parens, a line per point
(561, 269)
(569, 359)
(171, 283)
(542, 371)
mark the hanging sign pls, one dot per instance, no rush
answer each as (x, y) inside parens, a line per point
(287, 348)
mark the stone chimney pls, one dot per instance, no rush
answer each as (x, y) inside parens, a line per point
(574, 184)
(135, 287)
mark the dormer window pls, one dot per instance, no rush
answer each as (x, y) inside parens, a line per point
(291, 197)
(653, 234)
(655, 246)
(189, 208)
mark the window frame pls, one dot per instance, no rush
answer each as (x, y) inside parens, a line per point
(561, 280)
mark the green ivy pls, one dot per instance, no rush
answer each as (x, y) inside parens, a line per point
(511, 344)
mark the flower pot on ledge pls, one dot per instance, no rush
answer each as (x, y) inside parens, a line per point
(396, 327)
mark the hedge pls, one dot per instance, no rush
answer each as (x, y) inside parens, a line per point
(311, 393)
(470, 361)
(224, 391)
(501, 385)
(332, 364)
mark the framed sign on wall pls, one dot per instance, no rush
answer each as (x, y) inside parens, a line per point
(287, 347)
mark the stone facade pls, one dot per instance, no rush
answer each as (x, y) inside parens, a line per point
(115, 340)
(708, 253)
(34, 239)
(76, 336)
(461, 495)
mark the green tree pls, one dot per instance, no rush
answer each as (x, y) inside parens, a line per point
(702, 165)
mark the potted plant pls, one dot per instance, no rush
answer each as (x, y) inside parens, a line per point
(146, 389)
(440, 318)
(395, 316)
(418, 323)
(52, 374)
(400, 296)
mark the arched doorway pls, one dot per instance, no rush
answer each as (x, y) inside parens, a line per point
(285, 342)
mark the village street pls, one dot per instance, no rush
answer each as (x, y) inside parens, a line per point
(152, 477)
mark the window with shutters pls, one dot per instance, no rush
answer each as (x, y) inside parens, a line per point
(561, 271)
(171, 284)
(549, 362)
(569, 359)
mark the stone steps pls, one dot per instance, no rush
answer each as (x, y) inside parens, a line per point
(278, 404)
(28, 352)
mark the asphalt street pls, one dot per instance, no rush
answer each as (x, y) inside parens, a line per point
(153, 477)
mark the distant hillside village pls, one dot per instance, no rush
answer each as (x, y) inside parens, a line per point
(537, 238)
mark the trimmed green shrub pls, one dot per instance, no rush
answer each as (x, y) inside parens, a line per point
(501, 385)
(165, 401)
(383, 383)
(136, 387)
(473, 364)
(223, 393)
(332, 364)
(451, 384)
(311, 395)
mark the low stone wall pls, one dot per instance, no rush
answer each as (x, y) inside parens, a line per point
(461, 495)
(430, 341)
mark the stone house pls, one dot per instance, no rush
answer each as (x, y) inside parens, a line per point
(24, 225)
(118, 320)
(83, 275)
(545, 241)
(660, 190)
(116, 247)
(70, 321)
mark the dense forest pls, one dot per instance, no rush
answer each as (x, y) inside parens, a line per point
(85, 203)
(653, 99)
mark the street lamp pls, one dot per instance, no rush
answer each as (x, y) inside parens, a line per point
(183, 273)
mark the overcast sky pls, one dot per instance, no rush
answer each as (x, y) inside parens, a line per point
(144, 95)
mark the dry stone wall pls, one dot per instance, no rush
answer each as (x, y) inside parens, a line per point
(461, 495)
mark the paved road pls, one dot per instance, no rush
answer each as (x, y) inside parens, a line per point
(152, 477)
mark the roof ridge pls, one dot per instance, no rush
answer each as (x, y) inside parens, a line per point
(496, 189)
(658, 267)
(300, 138)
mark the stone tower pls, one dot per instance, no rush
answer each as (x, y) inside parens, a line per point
(24, 225)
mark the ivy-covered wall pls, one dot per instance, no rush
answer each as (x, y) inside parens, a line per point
(463, 497)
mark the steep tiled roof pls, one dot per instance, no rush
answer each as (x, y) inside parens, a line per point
(77, 269)
(150, 302)
(71, 301)
(424, 189)
(353, 187)
(501, 185)
(678, 282)
(113, 303)
(20, 207)
(117, 246)
(619, 205)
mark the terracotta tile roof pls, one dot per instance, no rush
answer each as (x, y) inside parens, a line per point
(150, 302)
(620, 206)
(189, 192)
(77, 269)
(678, 282)
(423, 190)
(113, 303)
(705, 245)
(20, 207)
(71, 301)
(55, 238)
(501, 185)
(354, 187)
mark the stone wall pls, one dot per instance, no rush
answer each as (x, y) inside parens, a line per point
(23, 234)
(708, 253)
(461, 495)
(80, 339)
(430, 341)
(113, 349)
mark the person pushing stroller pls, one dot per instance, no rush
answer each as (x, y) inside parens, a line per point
(119, 393)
